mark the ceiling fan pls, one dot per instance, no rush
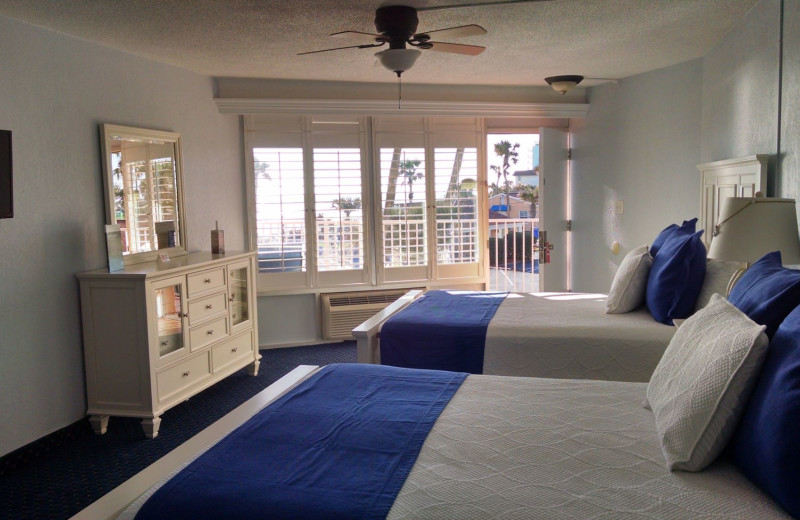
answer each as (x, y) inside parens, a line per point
(396, 26)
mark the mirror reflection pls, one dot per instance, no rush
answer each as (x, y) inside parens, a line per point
(144, 193)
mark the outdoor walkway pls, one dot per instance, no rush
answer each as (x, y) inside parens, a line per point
(513, 281)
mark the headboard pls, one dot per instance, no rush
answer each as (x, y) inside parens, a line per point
(742, 177)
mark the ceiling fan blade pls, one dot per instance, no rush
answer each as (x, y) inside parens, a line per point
(356, 35)
(457, 32)
(478, 4)
(457, 48)
(340, 48)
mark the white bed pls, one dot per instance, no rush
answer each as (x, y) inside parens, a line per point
(546, 449)
(557, 335)
(569, 335)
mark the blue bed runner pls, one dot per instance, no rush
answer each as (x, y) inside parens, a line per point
(339, 446)
(442, 330)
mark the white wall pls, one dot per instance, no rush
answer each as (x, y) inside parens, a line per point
(54, 92)
(740, 89)
(640, 143)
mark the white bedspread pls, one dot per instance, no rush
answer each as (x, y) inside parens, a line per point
(522, 448)
(569, 335)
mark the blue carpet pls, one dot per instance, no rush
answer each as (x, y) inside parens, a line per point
(59, 475)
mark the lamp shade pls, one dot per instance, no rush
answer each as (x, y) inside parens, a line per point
(398, 60)
(749, 228)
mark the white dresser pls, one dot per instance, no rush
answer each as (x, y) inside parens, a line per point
(154, 334)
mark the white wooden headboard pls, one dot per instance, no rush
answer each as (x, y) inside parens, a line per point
(742, 177)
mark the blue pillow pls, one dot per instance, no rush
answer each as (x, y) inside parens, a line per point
(765, 445)
(676, 277)
(687, 228)
(767, 292)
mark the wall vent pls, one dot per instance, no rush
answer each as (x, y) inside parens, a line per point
(342, 312)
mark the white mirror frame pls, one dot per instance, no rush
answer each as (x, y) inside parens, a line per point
(108, 130)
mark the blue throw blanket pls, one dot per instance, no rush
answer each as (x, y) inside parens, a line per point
(339, 446)
(442, 330)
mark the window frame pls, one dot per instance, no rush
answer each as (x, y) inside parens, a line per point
(427, 131)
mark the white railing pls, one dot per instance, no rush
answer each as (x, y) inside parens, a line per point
(404, 243)
(340, 244)
(514, 255)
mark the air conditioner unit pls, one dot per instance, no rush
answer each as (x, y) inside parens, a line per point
(342, 312)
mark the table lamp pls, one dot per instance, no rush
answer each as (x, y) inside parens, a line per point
(749, 228)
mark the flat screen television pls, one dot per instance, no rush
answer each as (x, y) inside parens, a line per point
(6, 194)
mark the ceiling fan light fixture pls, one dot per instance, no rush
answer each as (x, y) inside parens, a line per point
(398, 60)
(563, 84)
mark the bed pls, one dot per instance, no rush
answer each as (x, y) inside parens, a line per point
(506, 447)
(560, 335)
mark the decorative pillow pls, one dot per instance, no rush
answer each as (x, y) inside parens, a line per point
(699, 387)
(687, 228)
(630, 282)
(718, 276)
(765, 445)
(767, 292)
(676, 278)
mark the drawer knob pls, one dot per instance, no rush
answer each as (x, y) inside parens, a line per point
(209, 306)
(164, 343)
(234, 316)
(210, 332)
(235, 349)
(233, 296)
(207, 280)
(186, 374)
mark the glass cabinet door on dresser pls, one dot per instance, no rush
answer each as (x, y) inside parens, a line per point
(169, 301)
(240, 279)
(157, 333)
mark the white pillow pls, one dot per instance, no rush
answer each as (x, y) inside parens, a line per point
(699, 387)
(630, 282)
(718, 276)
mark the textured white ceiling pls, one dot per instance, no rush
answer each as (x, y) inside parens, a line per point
(525, 42)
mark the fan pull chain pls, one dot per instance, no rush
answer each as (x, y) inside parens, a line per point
(399, 91)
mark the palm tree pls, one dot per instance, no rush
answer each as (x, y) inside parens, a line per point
(509, 154)
(394, 172)
(408, 170)
(346, 204)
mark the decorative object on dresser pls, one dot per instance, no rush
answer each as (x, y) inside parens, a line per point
(157, 333)
(217, 240)
(6, 184)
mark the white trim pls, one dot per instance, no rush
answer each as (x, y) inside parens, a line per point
(389, 108)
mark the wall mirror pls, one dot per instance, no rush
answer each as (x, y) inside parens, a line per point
(144, 194)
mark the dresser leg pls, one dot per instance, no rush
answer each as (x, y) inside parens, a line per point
(252, 368)
(99, 423)
(150, 427)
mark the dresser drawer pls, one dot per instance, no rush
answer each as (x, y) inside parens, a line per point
(205, 333)
(231, 351)
(175, 380)
(206, 281)
(208, 306)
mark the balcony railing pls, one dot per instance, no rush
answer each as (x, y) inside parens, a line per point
(513, 247)
(281, 244)
(514, 255)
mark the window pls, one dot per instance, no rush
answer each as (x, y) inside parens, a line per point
(338, 208)
(404, 223)
(524, 213)
(280, 209)
(456, 171)
(312, 182)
